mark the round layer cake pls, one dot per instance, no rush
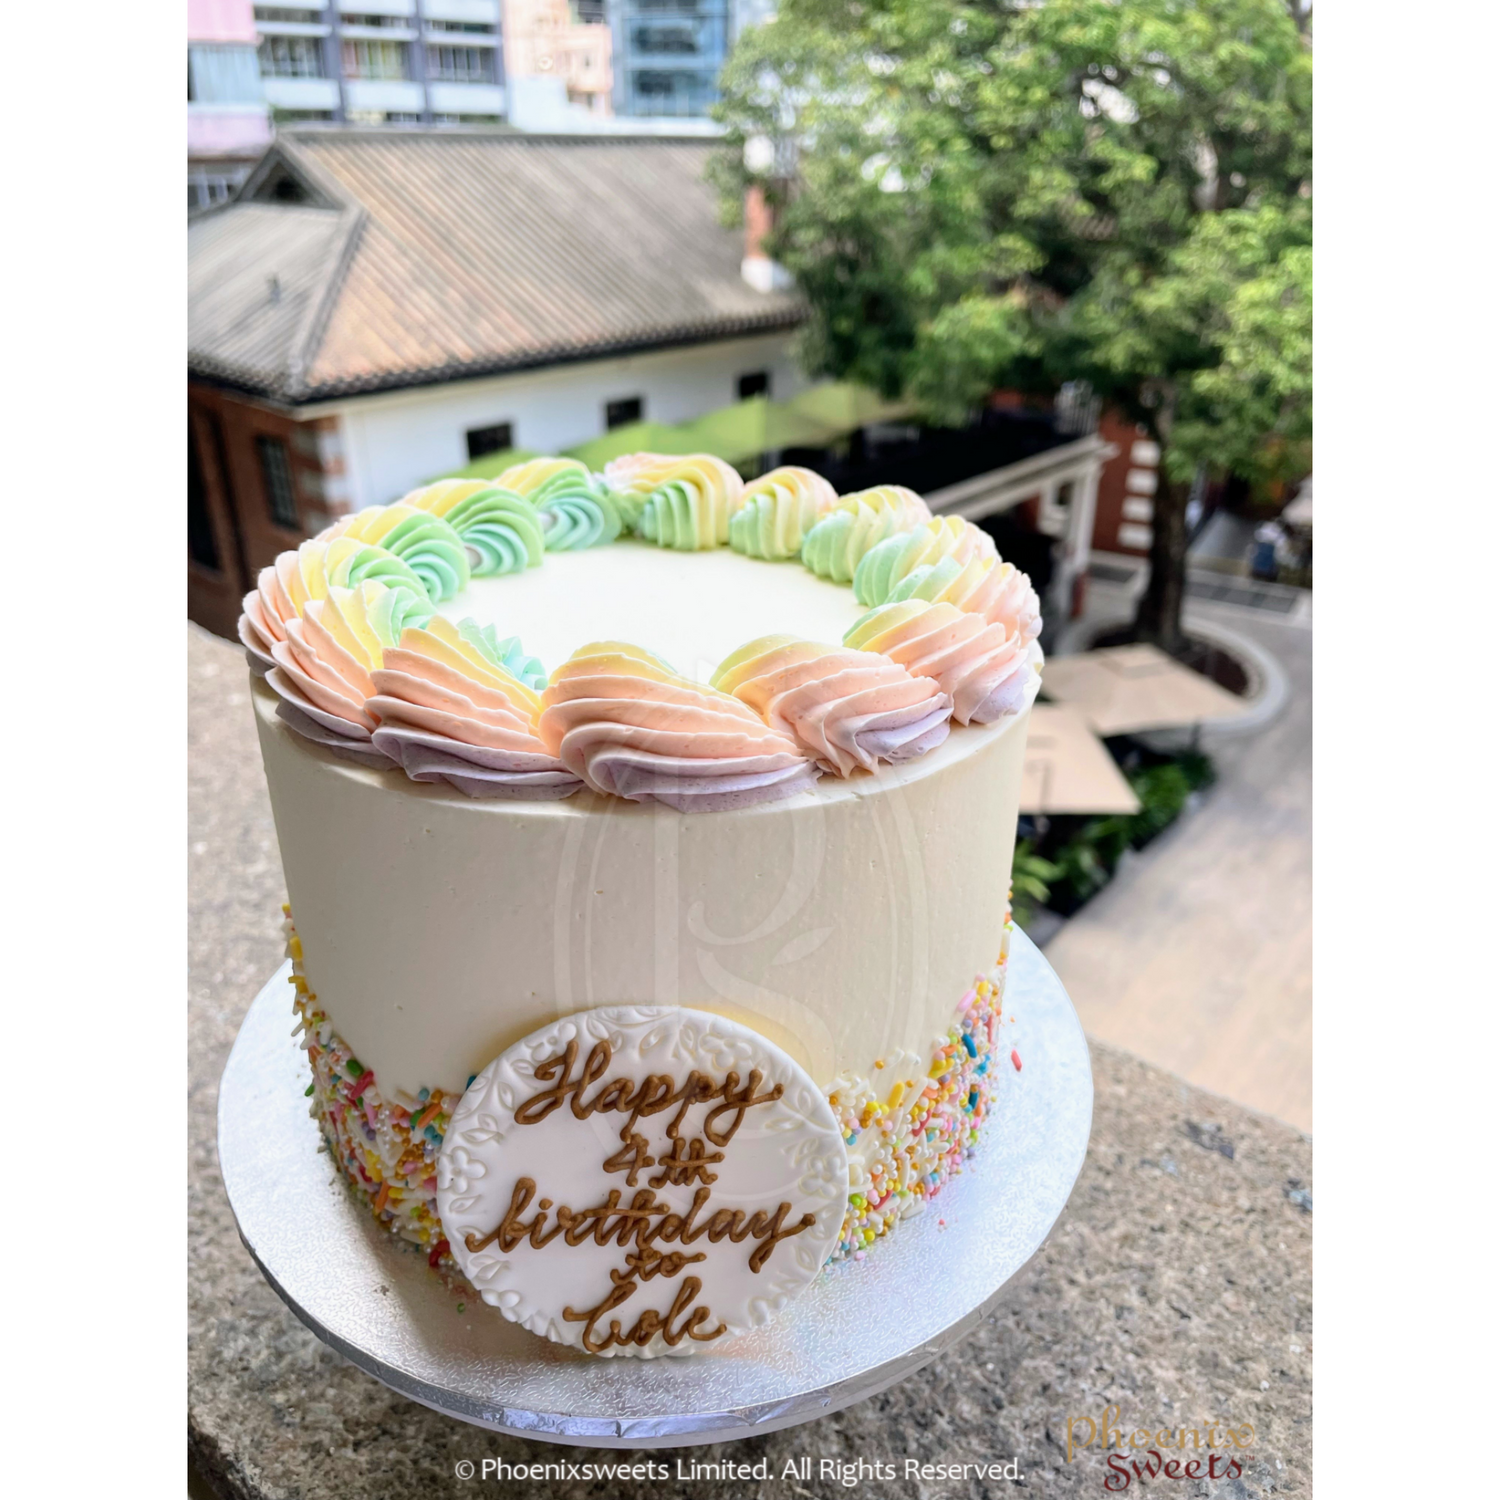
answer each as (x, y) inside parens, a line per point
(848, 905)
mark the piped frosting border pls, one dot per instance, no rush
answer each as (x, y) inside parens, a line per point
(344, 632)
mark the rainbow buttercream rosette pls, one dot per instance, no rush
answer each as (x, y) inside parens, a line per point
(344, 631)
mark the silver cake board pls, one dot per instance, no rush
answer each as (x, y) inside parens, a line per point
(375, 1300)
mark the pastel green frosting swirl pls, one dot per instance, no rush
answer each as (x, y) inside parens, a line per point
(677, 515)
(433, 550)
(834, 547)
(505, 653)
(887, 563)
(394, 610)
(926, 582)
(768, 525)
(385, 567)
(500, 528)
(577, 509)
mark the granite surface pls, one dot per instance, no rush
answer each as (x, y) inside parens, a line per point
(1176, 1286)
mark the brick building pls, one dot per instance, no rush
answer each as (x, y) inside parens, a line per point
(374, 309)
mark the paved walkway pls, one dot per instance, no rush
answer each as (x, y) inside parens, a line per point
(1198, 955)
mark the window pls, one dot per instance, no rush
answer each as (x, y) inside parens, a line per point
(461, 64)
(460, 28)
(484, 440)
(276, 477)
(300, 14)
(291, 57)
(203, 546)
(210, 185)
(376, 60)
(619, 413)
(669, 40)
(757, 383)
(223, 75)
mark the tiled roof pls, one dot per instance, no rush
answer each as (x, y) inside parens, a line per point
(417, 257)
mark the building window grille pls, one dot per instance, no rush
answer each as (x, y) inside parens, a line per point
(380, 61)
(203, 546)
(621, 413)
(461, 64)
(757, 383)
(276, 476)
(291, 57)
(493, 439)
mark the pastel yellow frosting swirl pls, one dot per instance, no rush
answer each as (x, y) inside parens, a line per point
(836, 544)
(847, 709)
(448, 709)
(631, 727)
(426, 543)
(575, 507)
(322, 671)
(777, 510)
(890, 561)
(986, 669)
(296, 579)
(996, 590)
(685, 501)
(499, 530)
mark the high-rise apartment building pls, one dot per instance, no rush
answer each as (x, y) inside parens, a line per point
(227, 124)
(668, 53)
(378, 62)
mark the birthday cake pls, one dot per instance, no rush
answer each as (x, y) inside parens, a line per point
(647, 838)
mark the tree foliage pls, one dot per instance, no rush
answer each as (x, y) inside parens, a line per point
(983, 193)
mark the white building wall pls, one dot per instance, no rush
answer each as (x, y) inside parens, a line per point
(396, 441)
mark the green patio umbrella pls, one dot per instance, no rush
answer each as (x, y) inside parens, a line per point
(843, 406)
(634, 437)
(755, 426)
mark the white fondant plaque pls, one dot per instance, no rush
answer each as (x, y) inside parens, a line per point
(642, 1180)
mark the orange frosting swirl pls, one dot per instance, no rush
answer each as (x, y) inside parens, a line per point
(984, 586)
(986, 669)
(448, 711)
(323, 666)
(632, 727)
(847, 709)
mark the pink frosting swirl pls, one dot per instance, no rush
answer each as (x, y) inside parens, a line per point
(447, 713)
(322, 673)
(283, 590)
(632, 727)
(999, 592)
(847, 709)
(987, 670)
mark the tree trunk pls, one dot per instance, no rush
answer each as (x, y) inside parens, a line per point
(1158, 617)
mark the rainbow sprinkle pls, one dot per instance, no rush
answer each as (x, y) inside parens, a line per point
(904, 1144)
(905, 1147)
(387, 1150)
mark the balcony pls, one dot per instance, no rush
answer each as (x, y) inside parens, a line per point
(466, 98)
(377, 7)
(486, 12)
(387, 95)
(301, 93)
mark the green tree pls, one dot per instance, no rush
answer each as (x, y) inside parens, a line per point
(1012, 193)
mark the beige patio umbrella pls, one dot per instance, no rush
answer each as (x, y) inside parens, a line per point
(1129, 689)
(1067, 770)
